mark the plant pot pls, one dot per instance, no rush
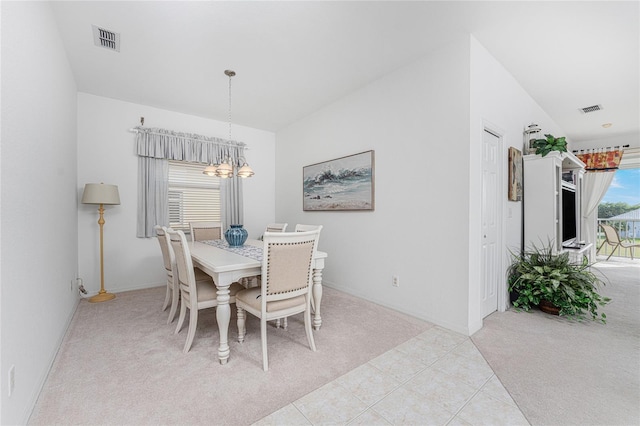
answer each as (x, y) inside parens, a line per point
(513, 296)
(548, 307)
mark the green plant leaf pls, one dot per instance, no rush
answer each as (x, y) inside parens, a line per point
(539, 273)
(550, 143)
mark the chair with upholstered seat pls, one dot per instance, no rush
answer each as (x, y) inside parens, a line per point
(302, 228)
(207, 230)
(196, 295)
(272, 227)
(299, 228)
(287, 265)
(172, 294)
(612, 238)
(166, 258)
(276, 227)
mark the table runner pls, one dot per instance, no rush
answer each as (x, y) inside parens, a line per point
(249, 251)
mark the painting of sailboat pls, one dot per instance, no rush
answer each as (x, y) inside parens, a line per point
(345, 183)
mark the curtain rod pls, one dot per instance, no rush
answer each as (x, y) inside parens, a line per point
(605, 147)
(189, 136)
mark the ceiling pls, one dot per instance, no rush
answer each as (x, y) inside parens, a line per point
(294, 57)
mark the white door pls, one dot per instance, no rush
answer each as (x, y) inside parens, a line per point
(490, 252)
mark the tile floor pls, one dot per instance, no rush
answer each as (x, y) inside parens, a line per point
(436, 378)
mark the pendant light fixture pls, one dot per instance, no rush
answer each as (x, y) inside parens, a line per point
(225, 169)
(210, 170)
(245, 171)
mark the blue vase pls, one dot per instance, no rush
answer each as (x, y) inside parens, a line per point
(236, 235)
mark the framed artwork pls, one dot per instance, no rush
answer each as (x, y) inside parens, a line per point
(346, 183)
(515, 174)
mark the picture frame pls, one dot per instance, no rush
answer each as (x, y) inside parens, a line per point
(342, 184)
(515, 175)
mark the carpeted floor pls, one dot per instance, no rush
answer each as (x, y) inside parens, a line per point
(561, 372)
(120, 363)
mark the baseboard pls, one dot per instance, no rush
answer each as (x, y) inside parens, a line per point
(129, 288)
(38, 389)
(400, 309)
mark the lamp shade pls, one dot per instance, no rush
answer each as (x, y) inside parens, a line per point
(245, 171)
(210, 170)
(225, 170)
(99, 193)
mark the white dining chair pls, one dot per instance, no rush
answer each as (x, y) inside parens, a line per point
(195, 295)
(302, 228)
(255, 281)
(276, 227)
(172, 294)
(299, 228)
(168, 264)
(287, 269)
(206, 230)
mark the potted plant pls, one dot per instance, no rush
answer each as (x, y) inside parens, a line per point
(550, 143)
(538, 277)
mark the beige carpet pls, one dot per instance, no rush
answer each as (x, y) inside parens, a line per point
(570, 373)
(120, 363)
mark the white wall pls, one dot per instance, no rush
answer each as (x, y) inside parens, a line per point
(426, 227)
(39, 251)
(106, 154)
(416, 119)
(501, 104)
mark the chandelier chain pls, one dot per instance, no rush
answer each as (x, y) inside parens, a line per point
(230, 107)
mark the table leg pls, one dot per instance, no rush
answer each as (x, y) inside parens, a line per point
(223, 316)
(317, 297)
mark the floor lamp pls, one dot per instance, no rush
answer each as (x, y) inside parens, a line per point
(99, 193)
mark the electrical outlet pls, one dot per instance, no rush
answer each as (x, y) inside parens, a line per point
(12, 379)
(395, 281)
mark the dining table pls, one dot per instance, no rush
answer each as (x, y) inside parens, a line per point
(226, 265)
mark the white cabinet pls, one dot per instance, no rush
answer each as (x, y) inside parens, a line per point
(552, 201)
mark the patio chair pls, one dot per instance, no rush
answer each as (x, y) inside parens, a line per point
(612, 238)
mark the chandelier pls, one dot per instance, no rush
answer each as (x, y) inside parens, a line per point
(225, 169)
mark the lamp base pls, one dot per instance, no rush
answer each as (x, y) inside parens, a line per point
(102, 297)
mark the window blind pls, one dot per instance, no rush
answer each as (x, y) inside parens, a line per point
(193, 196)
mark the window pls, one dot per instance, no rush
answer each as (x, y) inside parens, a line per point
(193, 196)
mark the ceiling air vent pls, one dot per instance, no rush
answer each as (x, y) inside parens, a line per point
(591, 109)
(105, 38)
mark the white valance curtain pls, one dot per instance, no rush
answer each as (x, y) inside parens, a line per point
(155, 147)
